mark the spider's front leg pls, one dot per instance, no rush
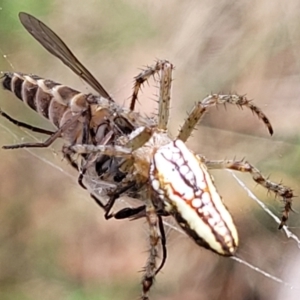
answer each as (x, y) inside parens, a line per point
(164, 69)
(201, 107)
(284, 192)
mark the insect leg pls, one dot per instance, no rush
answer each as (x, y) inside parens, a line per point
(25, 125)
(163, 243)
(50, 140)
(284, 192)
(109, 150)
(131, 213)
(71, 161)
(86, 133)
(113, 197)
(91, 159)
(98, 201)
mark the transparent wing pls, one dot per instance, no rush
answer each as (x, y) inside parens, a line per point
(53, 43)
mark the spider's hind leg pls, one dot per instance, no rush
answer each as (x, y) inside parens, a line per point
(157, 233)
(284, 192)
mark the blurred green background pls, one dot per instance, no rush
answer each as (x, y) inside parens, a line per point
(54, 241)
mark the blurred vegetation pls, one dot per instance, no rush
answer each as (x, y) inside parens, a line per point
(54, 241)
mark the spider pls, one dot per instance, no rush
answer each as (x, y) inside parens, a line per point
(173, 180)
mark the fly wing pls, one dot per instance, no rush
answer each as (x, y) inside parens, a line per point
(53, 43)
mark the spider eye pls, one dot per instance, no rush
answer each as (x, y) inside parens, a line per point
(186, 188)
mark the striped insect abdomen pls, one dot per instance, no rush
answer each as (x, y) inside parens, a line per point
(50, 99)
(36, 93)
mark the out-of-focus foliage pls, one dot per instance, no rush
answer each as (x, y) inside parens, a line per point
(54, 241)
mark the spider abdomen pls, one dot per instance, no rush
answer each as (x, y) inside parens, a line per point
(183, 183)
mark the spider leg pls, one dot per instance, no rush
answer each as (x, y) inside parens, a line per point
(110, 150)
(164, 96)
(284, 192)
(155, 226)
(154, 220)
(165, 68)
(157, 232)
(212, 100)
(138, 138)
